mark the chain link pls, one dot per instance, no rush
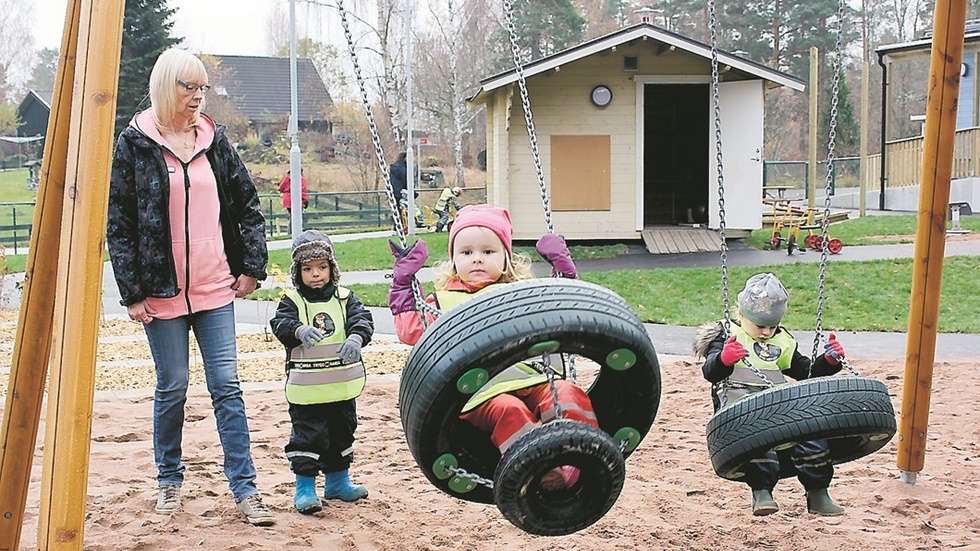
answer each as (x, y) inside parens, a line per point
(526, 104)
(420, 304)
(716, 109)
(550, 374)
(463, 473)
(831, 146)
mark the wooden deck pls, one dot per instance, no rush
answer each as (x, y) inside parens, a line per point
(674, 239)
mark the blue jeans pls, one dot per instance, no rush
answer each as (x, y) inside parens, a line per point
(215, 334)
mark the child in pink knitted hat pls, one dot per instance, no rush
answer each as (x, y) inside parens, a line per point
(481, 257)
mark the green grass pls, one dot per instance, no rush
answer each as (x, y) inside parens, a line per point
(373, 253)
(859, 296)
(870, 230)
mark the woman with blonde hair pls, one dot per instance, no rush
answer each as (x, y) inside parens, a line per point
(186, 237)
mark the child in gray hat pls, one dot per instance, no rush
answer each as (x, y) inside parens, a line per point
(758, 337)
(323, 327)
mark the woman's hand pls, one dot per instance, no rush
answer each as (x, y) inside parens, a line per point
(244, 286)
(137, 312)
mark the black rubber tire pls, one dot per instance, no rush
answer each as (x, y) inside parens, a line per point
(776, 240)
(493, 331)
(854, 414)
(518, 492)
(791, 244)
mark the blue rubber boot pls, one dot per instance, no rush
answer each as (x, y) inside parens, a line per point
(306, 500)
(337, 485)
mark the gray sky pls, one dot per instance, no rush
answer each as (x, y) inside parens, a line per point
(212, 26)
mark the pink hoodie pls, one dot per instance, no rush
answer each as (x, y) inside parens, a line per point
(203, 275)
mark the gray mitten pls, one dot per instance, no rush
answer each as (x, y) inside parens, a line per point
(350, 351)
(309, 335)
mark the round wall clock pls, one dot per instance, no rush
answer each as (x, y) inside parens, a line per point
(601, 96)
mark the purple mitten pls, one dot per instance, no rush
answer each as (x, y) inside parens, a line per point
(553, 248)
(408, 261)
(400, 297)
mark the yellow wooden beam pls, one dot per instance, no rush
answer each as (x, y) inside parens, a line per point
(64, 483)
(930, 238)
(32, 342)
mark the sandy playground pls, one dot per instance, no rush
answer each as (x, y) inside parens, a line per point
(671, 499)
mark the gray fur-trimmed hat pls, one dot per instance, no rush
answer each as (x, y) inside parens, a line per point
(763, 300)
(313, 245)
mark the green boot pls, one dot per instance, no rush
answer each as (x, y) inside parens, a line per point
(337, 485)
(306, 500)
(762, 503)
(819, 502)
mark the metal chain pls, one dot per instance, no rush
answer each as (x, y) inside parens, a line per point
(831, 145)
(372, 126)
(420, 304)
(716, 107)
(526, 104)
(463, 473)
(550, 374)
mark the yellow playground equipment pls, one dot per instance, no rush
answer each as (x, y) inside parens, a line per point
(787, 222)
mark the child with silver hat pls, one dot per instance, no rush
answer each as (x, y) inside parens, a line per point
(323, 327)
(758, 337)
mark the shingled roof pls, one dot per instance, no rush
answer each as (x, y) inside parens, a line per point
(259, 87)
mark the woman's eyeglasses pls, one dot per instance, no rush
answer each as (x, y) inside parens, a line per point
(191, 88)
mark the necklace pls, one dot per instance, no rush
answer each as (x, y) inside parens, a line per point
(180, 137)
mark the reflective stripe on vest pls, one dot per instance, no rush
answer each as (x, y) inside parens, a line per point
(316, 375)
(770, 357)
(513, 378)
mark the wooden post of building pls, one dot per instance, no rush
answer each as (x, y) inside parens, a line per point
(863, 186)
(930, 238)
(811, 167)
(32, 341)
(64, 482)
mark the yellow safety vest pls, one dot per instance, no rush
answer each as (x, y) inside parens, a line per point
(513, 378)
(317, 375)
(771, 358)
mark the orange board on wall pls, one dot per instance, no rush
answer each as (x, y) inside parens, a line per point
(580, 173)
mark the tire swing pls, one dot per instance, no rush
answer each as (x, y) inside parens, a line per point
(853, 414)
(531, 321)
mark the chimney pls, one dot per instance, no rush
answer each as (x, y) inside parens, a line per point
(650, 16)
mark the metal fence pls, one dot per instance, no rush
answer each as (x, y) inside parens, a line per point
(326, 211)
(794, 175)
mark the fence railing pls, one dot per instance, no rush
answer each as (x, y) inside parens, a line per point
(326, 211)
(904, 158)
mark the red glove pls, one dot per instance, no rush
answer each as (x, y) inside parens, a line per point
(833, 350)
(733, 352)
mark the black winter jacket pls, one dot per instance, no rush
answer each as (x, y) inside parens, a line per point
(138, 224)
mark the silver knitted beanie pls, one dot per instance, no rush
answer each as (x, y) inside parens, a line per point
(763, 300)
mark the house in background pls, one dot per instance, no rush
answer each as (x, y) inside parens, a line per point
(33, 113)
(258, 87)
(894, 177)
(626, 130)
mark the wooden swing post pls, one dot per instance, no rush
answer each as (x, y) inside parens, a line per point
(63, 289)
(64, 482)
(32, 341)
(930, 239)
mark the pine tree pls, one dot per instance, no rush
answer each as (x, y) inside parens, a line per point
(543, 27)
(847, 130)
(146, 34)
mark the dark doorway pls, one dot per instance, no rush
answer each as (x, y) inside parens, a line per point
(675, 156)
